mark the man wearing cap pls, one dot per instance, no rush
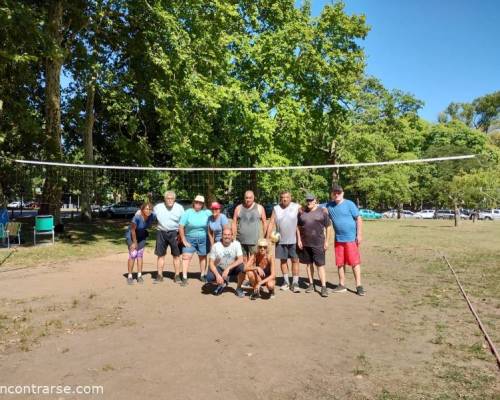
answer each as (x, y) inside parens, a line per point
(313, 223)
(247, 220)
(168, 214)
(347, 224)
(193, 230)
(225, 260)
(216, 223)
(284, 217)
(261, 270)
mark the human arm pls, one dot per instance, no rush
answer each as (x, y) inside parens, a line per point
(235, 263)
(133, 236)
(359, 230)
(235, 220)
(271, 225)
(328, 229)
(211, 236)
(271, 276)
(218, 277)
(299, 239)
(263, 219)
(183, 236)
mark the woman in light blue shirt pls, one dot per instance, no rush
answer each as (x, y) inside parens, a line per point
(193, 230)
(216, 223)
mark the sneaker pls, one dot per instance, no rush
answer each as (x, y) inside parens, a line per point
(130, 281)
(360, 291)
(140, 280)
(340, 289)
(240, 292)
(203, 278)
(295, 288)
(184, 282)
(285, 286)
(310, 288)
(159, 279)
(271, 294)
(324, 291)
(254, 295)
(246, 283)
(177, 279)
(219, 289)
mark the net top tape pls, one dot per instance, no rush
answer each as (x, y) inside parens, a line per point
(282, 168)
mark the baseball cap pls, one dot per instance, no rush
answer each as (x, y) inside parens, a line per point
(215, 206)
(310, 196)
(199, 198)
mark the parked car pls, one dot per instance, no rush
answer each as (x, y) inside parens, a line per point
(490, 215)
(444, 214)
(16, 204)
(425, 214)
(369, 214)
(404, 214)
(121, 209)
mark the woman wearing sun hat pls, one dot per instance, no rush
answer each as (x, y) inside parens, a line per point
(193, 230)
(216, 223)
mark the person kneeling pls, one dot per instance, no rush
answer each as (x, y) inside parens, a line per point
(225, 260)
(261, 270)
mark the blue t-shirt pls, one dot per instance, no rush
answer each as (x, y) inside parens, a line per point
(195, 223)
(343, 217)
(141, 227)
(216, 225)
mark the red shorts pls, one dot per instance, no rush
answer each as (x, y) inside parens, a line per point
(347, 254)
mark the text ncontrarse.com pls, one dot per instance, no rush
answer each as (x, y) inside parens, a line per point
(51, 389)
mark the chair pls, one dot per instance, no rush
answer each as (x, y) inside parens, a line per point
(13, 229)
(44, 225)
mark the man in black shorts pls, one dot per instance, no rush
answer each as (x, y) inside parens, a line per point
(313, 223)
(168, 215)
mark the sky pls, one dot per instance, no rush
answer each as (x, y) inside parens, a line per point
(441, 51)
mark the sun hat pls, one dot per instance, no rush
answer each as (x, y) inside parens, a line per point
(199, 198)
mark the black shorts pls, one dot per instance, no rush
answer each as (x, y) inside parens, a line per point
(165, 239)
(309, 255)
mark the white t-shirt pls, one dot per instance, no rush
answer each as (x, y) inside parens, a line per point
(286, 222)
(223, 256)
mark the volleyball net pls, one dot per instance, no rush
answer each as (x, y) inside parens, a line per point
(30, 180)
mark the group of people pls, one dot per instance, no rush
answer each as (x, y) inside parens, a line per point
(242, 248)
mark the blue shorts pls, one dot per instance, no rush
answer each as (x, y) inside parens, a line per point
(198, 245)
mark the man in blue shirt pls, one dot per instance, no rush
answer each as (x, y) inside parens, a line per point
(347, 224)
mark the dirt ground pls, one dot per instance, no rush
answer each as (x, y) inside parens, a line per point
(411, 336)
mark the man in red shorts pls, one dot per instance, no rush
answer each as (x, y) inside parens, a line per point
(347, 224)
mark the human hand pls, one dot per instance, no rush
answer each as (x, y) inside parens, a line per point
(219, 279)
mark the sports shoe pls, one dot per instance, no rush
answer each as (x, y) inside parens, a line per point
(360, 291)
(130, 281)
(184, 282)
(203, 278)
(177, 279)
(219, 289)
(159, 279)
(324, 291)
(140, 280)
(271, 294)
(255, 295)
(295, 288)
(310, 288)
(340, 289)
(240, 292)
(285, 286)
(246, 283)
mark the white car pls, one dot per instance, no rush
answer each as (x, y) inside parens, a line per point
(493, 214)
(404, 214)
(425, 214)
(16, 204)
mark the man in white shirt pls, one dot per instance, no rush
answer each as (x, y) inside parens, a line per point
(225, 260)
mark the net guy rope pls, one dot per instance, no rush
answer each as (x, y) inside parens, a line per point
(299, 167)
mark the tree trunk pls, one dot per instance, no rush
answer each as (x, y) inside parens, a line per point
(53, 65)
(456, 212)
(88, 145)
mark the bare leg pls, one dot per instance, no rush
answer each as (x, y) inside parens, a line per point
(341, 271)
(139, 264)
(357, 274)
(284, 267)
(160, 263)
(322, 275)
(310, 273)
(186, 259)
(203, 264)
(295, 267)
(177, 265)
(130, 265)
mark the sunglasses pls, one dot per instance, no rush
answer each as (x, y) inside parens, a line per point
(262, 247)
